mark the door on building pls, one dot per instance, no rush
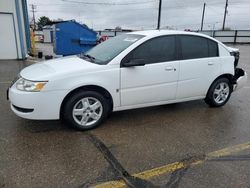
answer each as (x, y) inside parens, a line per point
(8, 47)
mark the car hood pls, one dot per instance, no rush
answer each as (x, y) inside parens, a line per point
(58, 67)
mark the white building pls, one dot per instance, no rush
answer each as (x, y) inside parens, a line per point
(48, 34)
(14, 29)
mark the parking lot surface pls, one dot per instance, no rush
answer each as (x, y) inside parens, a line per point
(185, 145)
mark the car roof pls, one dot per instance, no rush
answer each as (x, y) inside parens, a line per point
(162, 32)
(167, 32)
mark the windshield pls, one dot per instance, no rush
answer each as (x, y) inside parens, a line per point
(106, 51)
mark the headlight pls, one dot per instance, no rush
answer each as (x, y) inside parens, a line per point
(27, 85)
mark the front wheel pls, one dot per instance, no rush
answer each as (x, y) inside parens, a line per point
(219, 93)
(85, 110)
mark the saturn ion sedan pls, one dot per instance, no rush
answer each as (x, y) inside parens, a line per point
(133, 70)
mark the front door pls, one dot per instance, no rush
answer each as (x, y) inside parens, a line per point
(156, 81)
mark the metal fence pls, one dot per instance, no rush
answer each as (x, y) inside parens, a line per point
(112, 33)
(232, 36)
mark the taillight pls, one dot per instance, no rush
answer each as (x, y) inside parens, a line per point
(236, 57)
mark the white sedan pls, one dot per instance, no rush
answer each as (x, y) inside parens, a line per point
(134, 70)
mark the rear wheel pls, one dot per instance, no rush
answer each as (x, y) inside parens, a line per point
(85, 110)
(219, 92)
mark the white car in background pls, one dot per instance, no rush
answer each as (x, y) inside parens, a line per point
(134, 70)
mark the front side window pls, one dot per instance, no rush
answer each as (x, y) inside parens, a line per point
(106, 51)
(160, 49)
(193, 47)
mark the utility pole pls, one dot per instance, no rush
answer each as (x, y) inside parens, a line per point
(225, 15)
(33, 8)
(159, 15)
(203, 13)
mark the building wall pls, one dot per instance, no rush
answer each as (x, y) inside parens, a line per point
(16, 8)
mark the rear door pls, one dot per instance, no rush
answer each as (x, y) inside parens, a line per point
(199, 65)
(156, 81)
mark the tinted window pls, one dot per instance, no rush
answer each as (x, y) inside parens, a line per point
(193, 47)
(212, 48)
(155, 50)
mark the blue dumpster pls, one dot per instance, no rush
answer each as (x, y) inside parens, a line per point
(72, 38)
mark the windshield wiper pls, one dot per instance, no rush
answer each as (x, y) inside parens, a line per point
(89, 56)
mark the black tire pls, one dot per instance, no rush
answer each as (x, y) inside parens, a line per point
(210, 98)
(67, 112)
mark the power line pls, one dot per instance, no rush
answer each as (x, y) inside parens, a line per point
(106, 3)
(75, 10)
(153, 6)
(214, 10)
(73, 2)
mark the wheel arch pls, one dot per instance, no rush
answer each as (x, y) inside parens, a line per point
(96, 88)
(226, 75)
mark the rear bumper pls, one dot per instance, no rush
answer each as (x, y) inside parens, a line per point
(240, 79)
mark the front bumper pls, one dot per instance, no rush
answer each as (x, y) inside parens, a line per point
(240, 79)
(36, 105)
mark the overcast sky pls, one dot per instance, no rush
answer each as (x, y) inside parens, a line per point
(142, 14)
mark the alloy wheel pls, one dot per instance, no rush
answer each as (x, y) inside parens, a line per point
(87, 111)
(221, 92)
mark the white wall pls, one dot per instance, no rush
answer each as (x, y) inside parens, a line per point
(8, 47)
(47, 35)
(9, 6)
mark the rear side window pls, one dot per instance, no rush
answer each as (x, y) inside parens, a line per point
(160, 49)
(212, 48)
(194, 47)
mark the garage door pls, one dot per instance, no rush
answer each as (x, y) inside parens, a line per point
(8, 48)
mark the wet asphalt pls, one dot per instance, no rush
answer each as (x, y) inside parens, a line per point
(50, 154)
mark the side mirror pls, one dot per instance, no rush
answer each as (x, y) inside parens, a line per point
(134, 62)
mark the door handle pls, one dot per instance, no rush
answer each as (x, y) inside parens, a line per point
(210, 63)
(170, 69)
